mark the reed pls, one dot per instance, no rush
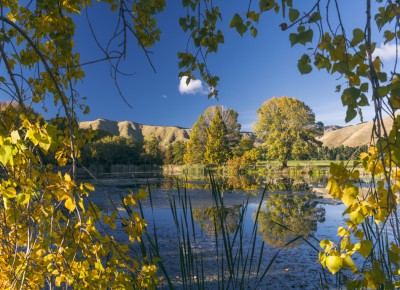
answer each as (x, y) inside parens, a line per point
(237, 256)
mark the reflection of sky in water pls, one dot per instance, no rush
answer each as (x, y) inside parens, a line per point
(162, 215)
(299, 260)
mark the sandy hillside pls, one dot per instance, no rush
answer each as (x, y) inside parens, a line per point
(334, 136)
(167, 134)
(352, 135)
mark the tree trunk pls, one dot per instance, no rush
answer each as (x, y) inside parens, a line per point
(284, 164)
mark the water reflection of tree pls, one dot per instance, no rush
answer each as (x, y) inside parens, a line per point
(288, 216)
(242, 182)
(209, 218)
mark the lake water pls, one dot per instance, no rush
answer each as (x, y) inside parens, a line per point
(283, 217)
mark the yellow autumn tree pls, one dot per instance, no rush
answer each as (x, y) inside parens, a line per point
(287, 128)
(51, 234)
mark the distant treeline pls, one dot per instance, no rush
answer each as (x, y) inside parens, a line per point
(338, 153)
(106, 150)
(211, 143)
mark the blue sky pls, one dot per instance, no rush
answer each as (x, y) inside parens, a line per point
(251, 72)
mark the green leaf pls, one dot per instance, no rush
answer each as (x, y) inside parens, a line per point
(364, 247)
(293, 38)
(254, 32)
(236, 20)
(350, 96)
(389, 35)
(382, 76)
(314, 17)
(393, 256)
(358, 36)
(185, 3)
(364, 87)
(142, 194)
(383, 91)
(395, 102)
(237, 23)
(293, 14)
(304, 37)
(363, 101)
(304, 64)
(351, 113)
(253, 16)
(333, 263)
(266, 5)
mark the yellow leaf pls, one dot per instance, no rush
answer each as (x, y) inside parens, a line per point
(333, 263)
(129, 200)
(67, 177)
(334, 189)
(355, 175)
(23, 198)
(70, 203)
(364, 248)
(8, 192)
(322, 258)
(349, 264)
(81, 205)
(15, 136)
(98, 266)
(59, 280)
(343, 232)
(350, 193)
(89, 186)
(142, 194)
(356, 217)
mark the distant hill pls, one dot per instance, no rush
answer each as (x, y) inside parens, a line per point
(332, 128)
(167, 134)
(334, 136)
(351, 135)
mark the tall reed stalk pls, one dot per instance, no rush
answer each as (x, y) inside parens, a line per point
(238, 260)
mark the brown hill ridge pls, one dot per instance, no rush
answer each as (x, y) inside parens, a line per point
(348, 136)
(352, 136)
(167, 134)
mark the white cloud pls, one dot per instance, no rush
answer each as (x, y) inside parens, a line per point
(386, 51)
(194, 87)
(164, 96)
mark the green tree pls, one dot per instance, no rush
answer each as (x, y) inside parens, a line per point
(198, 139)
(245, 144)
(196, 147)
(112, 150)
(153, 152)
(288, 129)
(230, 119)
(175, 153)
(178, 152)
(217, 147)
